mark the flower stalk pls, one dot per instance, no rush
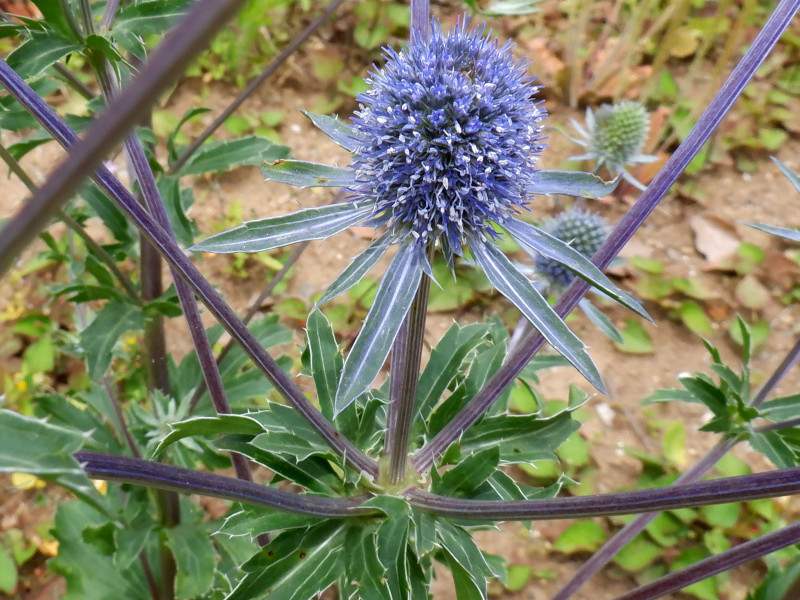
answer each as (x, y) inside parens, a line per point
(405, 371)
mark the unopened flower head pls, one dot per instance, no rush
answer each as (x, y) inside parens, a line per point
(581, 229)
(619, 132)
(451, 136)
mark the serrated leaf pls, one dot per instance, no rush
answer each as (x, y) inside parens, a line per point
(392, 302)
(551, 247)
(326, 360)
(38, 52)
(444, 364)
(519, 290)
(108, 212)
(295, 565)
(572, 183)
(195, 558)
(29, 445)
(364, 572)
(781, 409)
(520, 438)
(356, 269)
(341, 133)
(53, 14)
(472, 471)
(98, 339)
(205, 426)
(252, 521)
(300, 226)
(149, 17)
(463, 553)
(223, 155)
(307, 174)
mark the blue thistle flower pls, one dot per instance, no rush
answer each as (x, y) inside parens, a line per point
(450, 138)
(445, 144)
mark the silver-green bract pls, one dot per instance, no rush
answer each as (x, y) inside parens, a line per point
(614, 136)
(445, 142)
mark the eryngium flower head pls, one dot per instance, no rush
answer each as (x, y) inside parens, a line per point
(450, 137)
(614, 137)
(582, 230)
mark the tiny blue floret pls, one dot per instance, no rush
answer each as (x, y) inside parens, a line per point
(450, 136)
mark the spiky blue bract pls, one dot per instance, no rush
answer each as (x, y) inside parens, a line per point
(450, 136)
(581, 229)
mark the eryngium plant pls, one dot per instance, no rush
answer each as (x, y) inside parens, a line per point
(614, 136)
(445, 145)
(343, 521)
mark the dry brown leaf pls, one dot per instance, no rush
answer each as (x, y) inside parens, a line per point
(714, 238)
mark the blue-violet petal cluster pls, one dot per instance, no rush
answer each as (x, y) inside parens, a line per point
(450, 137)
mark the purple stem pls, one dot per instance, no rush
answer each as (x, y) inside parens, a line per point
(627, 227)
(718, 563)
(186, 269)
(168, 63)
(772, 484)
(421, 17)
(155, 205)
(179, 479)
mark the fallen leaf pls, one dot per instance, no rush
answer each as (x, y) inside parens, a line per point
(780, 270)
(714, 238)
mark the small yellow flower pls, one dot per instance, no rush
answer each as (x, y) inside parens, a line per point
(21, 385)
(100, 485)
(26, 481)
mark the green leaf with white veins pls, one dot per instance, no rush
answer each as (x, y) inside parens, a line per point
(300, 226)
(295, 565)
(307, 174)
(222, 155)
(519, 290)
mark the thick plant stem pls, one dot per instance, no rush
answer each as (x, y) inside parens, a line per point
(62, 216)
(188, 481)
(405, 375)
(253, 85)
(168, 63)
(700, 133)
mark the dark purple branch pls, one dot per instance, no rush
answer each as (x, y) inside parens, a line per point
(627, 227)
(186, 269)
(155, 204)
(167, 64)
(783, 482)
(789, 361)
(253, 85)
(718, 563)
(608, 550)
(188, 481)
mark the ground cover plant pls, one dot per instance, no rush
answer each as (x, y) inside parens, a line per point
(371, 486)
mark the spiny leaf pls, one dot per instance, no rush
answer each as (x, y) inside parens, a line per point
(307, 174)
(300, 226)
(517, 288)
(392, 303)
